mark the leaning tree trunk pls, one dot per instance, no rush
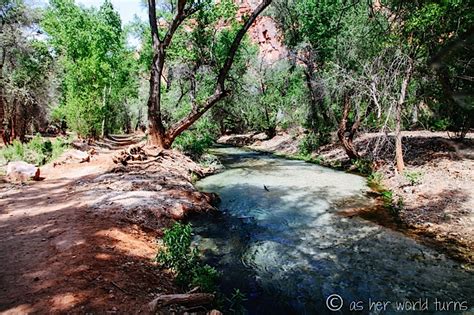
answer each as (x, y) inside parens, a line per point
(398, 118)
(346, 137)
(159, 136)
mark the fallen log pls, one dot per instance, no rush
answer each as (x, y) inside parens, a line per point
(187, 299)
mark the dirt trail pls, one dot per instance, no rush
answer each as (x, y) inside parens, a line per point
(59, 256)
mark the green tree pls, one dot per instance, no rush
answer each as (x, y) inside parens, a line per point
(26, 71)
(212, 89)
(99, 72)
(310, 29)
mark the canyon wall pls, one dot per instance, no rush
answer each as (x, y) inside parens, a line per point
(264, 32)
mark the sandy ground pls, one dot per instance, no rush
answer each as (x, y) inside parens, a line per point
(69, 243)
(439, 208)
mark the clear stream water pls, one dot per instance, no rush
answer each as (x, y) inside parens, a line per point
(289, 250)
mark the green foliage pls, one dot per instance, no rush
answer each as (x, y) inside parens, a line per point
(26, 69)
(179, 256)
(236, 301)
(391, 204)
(312, 141)
(308, 144)
(363, 166)
(413, 177)
(387, 197)
(441, 124)
(312, 22)
(205, 277)
(195, 142)
(37, 151)
(99, 72)
(270, 96)
(375, 181)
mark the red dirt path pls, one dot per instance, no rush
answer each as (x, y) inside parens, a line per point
(58, 256)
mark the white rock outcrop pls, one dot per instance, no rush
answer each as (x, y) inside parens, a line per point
(22, 171)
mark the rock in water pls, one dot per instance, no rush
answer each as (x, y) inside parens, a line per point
(22, 171)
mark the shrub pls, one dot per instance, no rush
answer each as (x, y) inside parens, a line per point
(440, 124)
(182, 259)
(196, 142)
(363, 166)
(374, 180)
(205, 277)
(37, 151)
(193, 144)
(311, 142)
(413, 177)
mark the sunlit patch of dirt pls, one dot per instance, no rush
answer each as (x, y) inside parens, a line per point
(76, 243)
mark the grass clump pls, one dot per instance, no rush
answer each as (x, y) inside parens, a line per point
(37, 151)
(236, 302)
(179, 256)
(413, 177)
(375, 181)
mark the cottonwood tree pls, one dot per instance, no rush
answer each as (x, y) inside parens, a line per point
(310, 29)
(162, 37)
(99, 72)
(26, 70)
(372, 76)
(423, 30)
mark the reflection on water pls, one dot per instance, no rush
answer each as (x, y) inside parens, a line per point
(280, 240)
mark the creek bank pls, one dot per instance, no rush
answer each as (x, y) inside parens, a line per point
(437, 202)
(152, 190)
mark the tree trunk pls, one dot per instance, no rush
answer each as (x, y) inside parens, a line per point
(158, 135)
(347, 140)
(398, 118)
(156, 128)
(3, 122)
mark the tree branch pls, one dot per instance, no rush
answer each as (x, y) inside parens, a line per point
(153, 22)
(181, 14)
(220, 91)
(236, 43)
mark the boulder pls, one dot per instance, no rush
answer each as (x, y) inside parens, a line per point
(22, 171)
(72, 156)
(260, 136)
(237, 140)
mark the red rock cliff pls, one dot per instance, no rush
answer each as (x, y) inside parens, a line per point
(264, 32)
